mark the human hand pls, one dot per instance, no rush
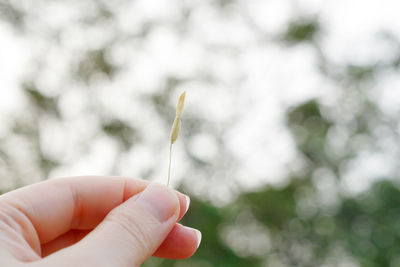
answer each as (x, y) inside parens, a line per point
(93, 221)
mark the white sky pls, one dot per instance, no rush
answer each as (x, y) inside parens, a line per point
(274, 77)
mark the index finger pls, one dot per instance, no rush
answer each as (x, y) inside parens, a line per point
(59, 205)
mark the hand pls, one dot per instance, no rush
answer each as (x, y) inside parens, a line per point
(93, 221)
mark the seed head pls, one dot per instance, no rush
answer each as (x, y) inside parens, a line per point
(176, 126)
(181, 102)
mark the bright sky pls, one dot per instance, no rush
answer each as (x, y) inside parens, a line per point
(254, 86)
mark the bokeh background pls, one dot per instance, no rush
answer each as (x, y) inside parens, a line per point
(290, 141)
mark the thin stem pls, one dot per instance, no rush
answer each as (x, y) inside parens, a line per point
(169, 167)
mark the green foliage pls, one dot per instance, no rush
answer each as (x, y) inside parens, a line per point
(273, 207)
(121, 131)
(309, 129)
(295, 226)
(301, 30)
(370, 224)
(11, 14)
(361, 72)
(95, 62)
(44, 103)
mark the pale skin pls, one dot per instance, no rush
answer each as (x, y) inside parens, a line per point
(93, 221)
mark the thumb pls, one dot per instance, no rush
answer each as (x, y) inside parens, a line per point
(133, 231)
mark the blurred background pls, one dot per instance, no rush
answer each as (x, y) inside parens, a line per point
(289, 145)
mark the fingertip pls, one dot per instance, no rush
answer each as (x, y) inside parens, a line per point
(181, 243)
(184, 202)
(160, 201)
(199, 236)
(187, 203)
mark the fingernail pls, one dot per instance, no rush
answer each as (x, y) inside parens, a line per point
(198, 235)
(187, 203)
(160, 201)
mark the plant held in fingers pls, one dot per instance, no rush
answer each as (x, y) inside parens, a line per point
(176, 126)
